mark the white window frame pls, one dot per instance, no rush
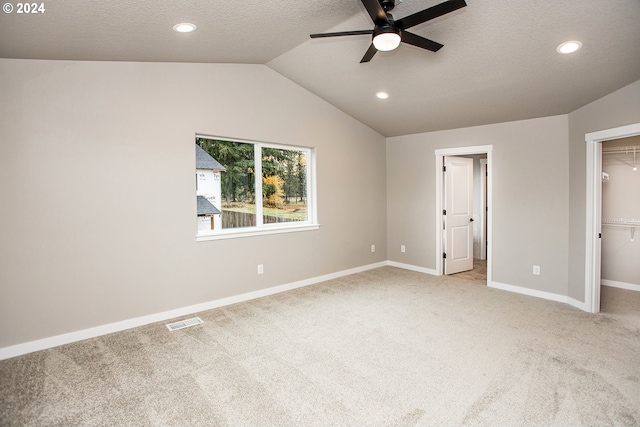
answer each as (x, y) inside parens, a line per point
(261, 229)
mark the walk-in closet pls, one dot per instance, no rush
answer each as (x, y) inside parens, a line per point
(621, 213)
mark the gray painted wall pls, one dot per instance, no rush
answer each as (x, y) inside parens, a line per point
(619, 108)
(98, 199)
(539, 192)
(530, 192)
(98, 207)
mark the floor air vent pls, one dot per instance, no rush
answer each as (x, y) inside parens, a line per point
(184, 323)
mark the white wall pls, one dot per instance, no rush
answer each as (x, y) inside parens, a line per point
(530, 192)
(97, 182)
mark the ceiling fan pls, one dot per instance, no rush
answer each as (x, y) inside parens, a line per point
(387, 33)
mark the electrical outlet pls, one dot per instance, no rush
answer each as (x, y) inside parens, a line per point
(260, 269)
(403, 249)
(373, 248)
(536, 270)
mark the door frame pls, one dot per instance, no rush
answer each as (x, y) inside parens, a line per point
(594, 209)
(483, 208)
(440, 153)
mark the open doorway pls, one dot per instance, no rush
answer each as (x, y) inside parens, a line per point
(479, 271)
(620, 215)
(481, 219)
(593, 249)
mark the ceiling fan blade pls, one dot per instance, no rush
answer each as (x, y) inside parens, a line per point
(342, 33)
(430, 13)
(419, 41)
(370, 52)
(377, 13)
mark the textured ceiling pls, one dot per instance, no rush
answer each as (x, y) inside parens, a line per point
(498, 64)
(244, 31)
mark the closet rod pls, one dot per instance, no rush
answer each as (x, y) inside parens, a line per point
(623, 222)
(622, 225)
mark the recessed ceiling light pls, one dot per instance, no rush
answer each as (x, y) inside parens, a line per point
(569, 47)
(185, 27)
(382, 95)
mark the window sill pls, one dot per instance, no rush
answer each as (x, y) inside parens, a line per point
(248, 232)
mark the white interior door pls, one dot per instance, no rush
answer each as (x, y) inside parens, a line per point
(458, 218)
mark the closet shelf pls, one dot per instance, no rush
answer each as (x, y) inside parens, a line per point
(622, 222)
(632, 224)
(621, 150)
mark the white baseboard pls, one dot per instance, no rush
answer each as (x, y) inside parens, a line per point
(510, 288)
(412, 268)
(45, 343)
(530, 292)
(577, 304)
(55, 341)
(621, 285)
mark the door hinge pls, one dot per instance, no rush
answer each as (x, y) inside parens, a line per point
(599, 235)
(444, 168)
(444, 211)
(444, 255)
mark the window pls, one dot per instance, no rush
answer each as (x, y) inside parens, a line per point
(246, 188)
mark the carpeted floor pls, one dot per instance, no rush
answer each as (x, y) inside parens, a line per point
(387, 347)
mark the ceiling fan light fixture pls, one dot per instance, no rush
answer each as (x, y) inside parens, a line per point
(388, 33)
(386, 39)
(184, 27)
(569, 47)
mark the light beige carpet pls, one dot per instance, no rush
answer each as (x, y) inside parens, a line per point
(385, 347)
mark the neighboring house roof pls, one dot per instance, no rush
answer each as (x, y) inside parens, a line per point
(205, 207)
(205, 161)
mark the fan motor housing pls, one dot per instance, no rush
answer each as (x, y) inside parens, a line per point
(387, 5)
(389, 33)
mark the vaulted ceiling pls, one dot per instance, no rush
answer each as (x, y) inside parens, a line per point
(499, 61)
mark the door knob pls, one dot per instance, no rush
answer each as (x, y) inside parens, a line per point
(470, 219)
